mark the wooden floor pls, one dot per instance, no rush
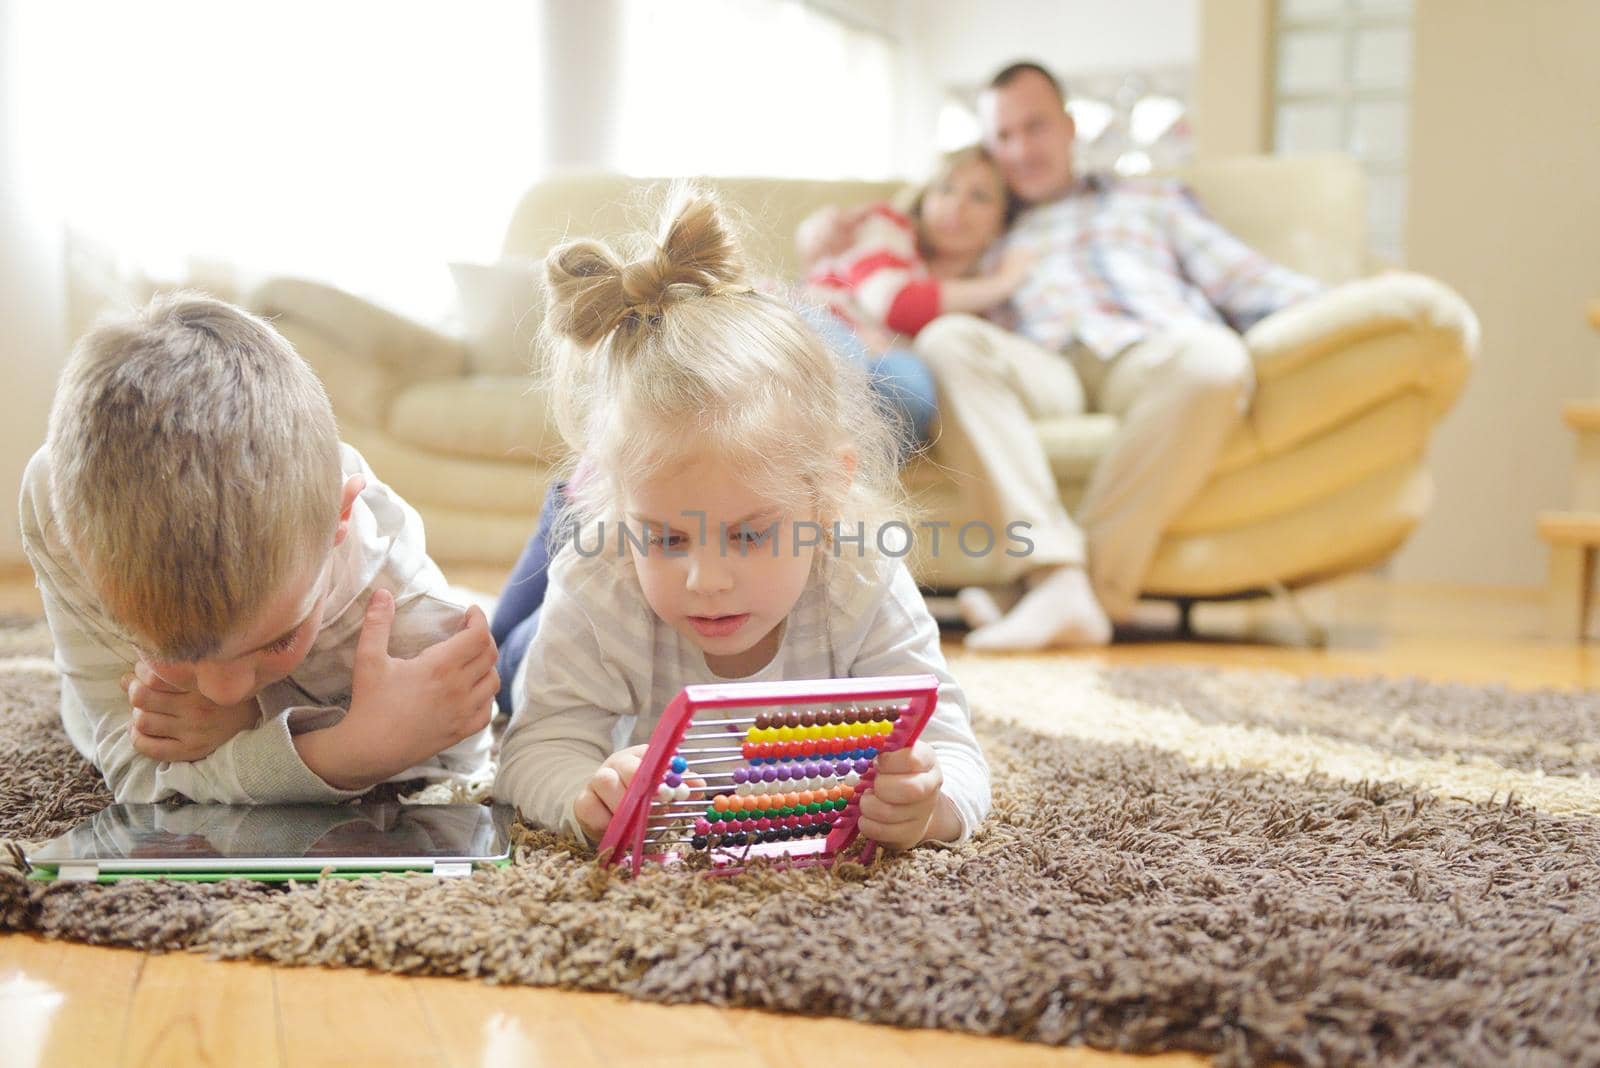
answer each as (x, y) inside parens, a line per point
(77, 1005)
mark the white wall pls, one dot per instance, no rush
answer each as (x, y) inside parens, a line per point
(952, 43)
(32, 296)
(1503, 205)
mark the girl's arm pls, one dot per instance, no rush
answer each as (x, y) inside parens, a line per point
(574, 688)
(975, 295)
(898, 636)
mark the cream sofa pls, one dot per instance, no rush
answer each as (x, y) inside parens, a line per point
(1324, 475)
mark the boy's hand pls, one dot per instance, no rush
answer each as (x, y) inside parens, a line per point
(602, 794)
(904, 806)
(403, 712)
(174, 725)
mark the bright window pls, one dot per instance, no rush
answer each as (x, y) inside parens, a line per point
(754, 87)
(1343, 85)
(364, 143)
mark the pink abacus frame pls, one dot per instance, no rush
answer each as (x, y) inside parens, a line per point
(650, 827)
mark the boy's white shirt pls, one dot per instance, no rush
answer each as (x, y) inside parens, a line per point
(602, 668)
(385, 549)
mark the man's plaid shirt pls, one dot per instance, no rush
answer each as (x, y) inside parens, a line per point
(1120, 260)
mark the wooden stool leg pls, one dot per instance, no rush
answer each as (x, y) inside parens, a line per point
(1568, 594)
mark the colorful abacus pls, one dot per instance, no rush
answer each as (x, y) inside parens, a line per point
(773, 769)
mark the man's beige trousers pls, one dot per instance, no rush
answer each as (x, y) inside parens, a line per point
(1177, 395)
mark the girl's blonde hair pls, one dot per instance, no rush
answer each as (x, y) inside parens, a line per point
(670, 355)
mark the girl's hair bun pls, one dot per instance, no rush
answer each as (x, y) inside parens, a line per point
(594, 293)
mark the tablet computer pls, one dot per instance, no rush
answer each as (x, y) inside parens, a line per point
(275, 842)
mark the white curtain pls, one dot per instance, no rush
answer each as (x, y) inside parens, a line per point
(32, 341)
(755, 87)
(363, 142)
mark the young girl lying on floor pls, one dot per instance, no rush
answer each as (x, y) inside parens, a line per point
(726, 450)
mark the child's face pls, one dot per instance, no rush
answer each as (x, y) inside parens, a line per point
(266, 650)
(966, 212)
(726, 583)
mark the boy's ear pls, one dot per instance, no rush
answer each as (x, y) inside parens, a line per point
(347, 500)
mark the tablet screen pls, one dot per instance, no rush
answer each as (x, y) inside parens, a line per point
(155, 836)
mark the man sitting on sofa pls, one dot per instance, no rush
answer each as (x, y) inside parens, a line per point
(1143, 296)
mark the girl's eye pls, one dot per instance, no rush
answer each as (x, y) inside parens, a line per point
(283, 645)
(670, 541)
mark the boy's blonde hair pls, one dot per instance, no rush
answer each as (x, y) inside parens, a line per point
(671, 355)
(194, 469)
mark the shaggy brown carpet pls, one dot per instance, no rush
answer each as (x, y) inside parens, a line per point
(1244, 864)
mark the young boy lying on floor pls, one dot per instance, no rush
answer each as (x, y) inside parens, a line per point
(241, 612)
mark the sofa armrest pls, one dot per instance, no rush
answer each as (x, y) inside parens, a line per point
(361, 330)
(1354, 312)
(1331, 357)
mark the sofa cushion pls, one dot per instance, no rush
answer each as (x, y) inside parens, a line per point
(1305, 212)
(499, 303)
(1075, 443)
(360, 389)
(1355, 527)
(1394, 432)
(430, 479)
(490, 417)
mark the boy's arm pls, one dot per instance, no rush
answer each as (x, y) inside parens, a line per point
(420, 675)
(574, 689)
(901, 638)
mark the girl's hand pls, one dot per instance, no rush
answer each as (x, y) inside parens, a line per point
(904, 806)
(602, 795)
